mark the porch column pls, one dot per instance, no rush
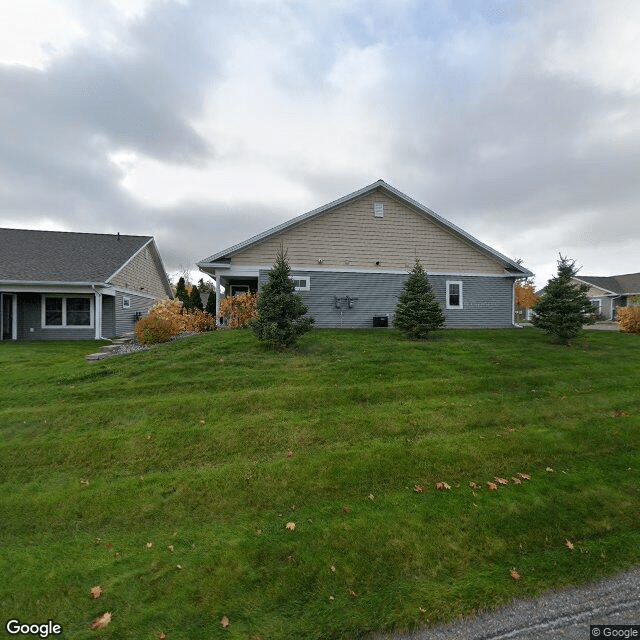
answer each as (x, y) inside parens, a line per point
(97, 315)
(217, 300)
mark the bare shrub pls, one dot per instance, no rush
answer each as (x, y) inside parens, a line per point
(238, 311)
(628, 319)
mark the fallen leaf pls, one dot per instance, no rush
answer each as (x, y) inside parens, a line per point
(501, 480)
(162, 636)
(569, 544)
(492, 486)
(333, 569)
(524, 476)
(84, 483)
(331, 598)
(371, 497)
(619, 414)
(516, 480)
(419, 488)
(442, 486)
(149, 545)
(170, 547)
(549, 469)
(289, 454)
(101, 622)
(353, 594)
(179, 567)
(291, 526)
(96, 592)
(515, 575)
(345, 509)
(474, 485)
(225, 622)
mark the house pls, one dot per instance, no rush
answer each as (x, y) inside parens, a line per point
(609, 292)
(76, 286)
(351, 257)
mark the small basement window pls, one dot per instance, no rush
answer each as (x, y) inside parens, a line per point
(378, 209)
(126, 303)
(302, 283)
(454, 294)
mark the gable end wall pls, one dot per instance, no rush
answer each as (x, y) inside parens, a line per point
(142, 274)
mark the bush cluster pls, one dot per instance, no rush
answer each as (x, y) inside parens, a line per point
(238, 311)
(628, 319)
(168, 318)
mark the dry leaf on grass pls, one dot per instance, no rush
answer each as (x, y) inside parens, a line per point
(291, 526)
(515, 575)
(569, 544)
(84, 483)
(225, 622)
(96, 591)
(500, 480)
(474, 485)
(371, 497)
(442, 486)
(524, 476)
(162, 636)
(353, 594)
(418, 488)
(101, 622)
(516, 480)
(149, 545)
(345, 509)
(492, 486)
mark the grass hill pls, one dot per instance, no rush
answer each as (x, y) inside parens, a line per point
(173, 479)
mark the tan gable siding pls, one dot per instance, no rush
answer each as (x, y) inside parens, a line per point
(142, 271)
(594, 292)
(351, 237)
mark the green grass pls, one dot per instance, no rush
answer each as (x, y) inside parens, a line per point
(186, 447)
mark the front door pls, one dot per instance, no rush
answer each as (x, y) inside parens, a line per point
(8, 317)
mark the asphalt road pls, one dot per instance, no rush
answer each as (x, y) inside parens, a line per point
(558, 615)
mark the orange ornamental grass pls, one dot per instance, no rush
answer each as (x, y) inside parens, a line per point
(238, 311)
(628, 319)
(168, 318)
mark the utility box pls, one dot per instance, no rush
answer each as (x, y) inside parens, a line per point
(380, 321)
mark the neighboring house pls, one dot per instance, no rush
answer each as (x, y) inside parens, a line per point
(609, 292)
(76, 286)
(351, 257)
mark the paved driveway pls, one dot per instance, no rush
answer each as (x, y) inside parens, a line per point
(565, 615)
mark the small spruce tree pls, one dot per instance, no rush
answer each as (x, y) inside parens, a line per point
(210, 307)
(181, 292)
(195, 301)
(564, 308)
(281, 311)
(418, 312)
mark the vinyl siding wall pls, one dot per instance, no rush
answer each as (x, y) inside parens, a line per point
(487, 300)
(108, 316)
(30, 317)
(142, 273)
(125, 318)
(351, 237)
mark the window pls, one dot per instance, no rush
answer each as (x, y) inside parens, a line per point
(454, 294)
(302, 283)
(67, 311)
(126, 303)
(378, 209)
(597, 304)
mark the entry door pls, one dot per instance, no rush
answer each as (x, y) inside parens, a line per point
(8, 319)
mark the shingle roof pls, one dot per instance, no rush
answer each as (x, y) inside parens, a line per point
(56, 256)
(625, 283)
(509, 264)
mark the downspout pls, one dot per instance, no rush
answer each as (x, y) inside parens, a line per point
(97, 316)
(513, 306)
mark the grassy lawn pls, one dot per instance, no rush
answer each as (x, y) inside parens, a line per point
(168, 477)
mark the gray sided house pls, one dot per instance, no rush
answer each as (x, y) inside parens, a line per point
(76, 286)
(609, 292)
(351, 257)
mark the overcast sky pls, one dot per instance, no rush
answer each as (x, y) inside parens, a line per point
(202, 123)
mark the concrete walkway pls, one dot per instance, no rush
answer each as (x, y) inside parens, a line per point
(565, 615)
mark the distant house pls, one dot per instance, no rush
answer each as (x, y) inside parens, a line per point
(609, 292)
(351, 257)
(76, 286)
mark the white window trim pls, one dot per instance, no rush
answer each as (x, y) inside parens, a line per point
(239, 289)
(307, 280)
(596, 303)
(64, 324)
(126, 302)
(450, 306)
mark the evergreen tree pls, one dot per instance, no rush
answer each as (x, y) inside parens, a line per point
(564, 308)
(281, 310)
(210, 308)
(181, 292)
(418, 312)
(205, 287)
(195, 301)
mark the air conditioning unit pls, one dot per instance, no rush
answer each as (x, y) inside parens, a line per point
(381, 321)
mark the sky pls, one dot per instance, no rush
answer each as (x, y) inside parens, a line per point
(203, 123)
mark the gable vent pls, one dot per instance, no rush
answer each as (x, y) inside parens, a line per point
(378, 209)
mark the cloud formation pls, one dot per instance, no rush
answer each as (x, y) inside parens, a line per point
(203, 124)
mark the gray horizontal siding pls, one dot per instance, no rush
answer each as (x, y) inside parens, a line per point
(125, 318)
(487, 300)
(108, 317)
(30, 322)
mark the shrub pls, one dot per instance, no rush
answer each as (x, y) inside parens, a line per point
(628, 319)
(173, 312)
(239, 310)
(151, 330)
(198, 321)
